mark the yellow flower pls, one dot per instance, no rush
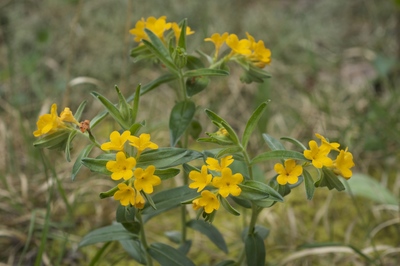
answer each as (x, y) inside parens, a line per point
(289, 173)
(196, 205)
(239, 46)
(343, 163)
(125, 194)
(208, 200)
(228, 183)
(139, 31)
(201, 180)
(261, 54)
(48, 123)
(117, 141)
(318, 155)
(122, 167)
(177, 30)
(145, 179)
(213, 164)
(324, 142)
(67, 116)
(218, 41)
(158, 26)
(142, 142)
(139, 201)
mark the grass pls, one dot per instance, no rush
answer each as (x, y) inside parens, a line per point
(335, 71)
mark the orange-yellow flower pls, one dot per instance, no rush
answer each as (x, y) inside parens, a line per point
(289, 173)
(145, 179)
(201, 179)
(318, 155)
(48, 123)
(239, 46)
(125, 194)
(121, 167)
(214, 165)
(228, 183)
(208, 200)
(142, 142)
(218, 41)
(117, 141)
(67, 116)
(343, 163)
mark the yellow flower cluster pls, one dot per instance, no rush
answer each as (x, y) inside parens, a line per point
(225, 182)
(158, 26)
(255, 52)
(319, 157)
(50, 123)
(137, 180)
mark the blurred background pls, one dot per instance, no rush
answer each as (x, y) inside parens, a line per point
(335, 70)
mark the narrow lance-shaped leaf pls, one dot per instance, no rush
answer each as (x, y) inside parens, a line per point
(78, 163)
(182, 36)
(79, 111)
(295, 142)
(273, 143)
(205, 72)
(255, 250)
(112, 110)
(105, 234)
(157, 47)
(309, 184)
(135, 104)
(157, 82)
(278, 154)
(252, 123)
(124, 107)
(210, 231)
(329, 180)
(167, 255)
(167, 157)
(68, 145)
(181, 117)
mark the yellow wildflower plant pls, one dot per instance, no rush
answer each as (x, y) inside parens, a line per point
(201, 179)
(121, 167)
(343, 163)
(218, 41)
(238, 46)
(157, 26)
(138, 31)
(141, 143)
(67, 116)
(318, 155)
(227, 183)
(208, 201)
(215, 165)
(288, 173)
(145, 179)
(49, 123)
(117, 141)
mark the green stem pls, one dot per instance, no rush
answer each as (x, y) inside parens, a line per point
(182, 86)
(143, 239)
(247, 161)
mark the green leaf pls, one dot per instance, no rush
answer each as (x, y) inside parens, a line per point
(225, 203)
(196, 84)
(210, 231)
(78, 163)
(273, 143)
(167, 255)
(108, 233)
(68, 145)
(124, 107)
(309, 184)
(134, 249)
(255, 250)
(265, 189)
(135, 104)
(174, 236)
(53, 141)
(79, 111)
(227, 263)
(167, 157)
(182, 36)
(168, 199)
(367, 187)
(252, 123)
(195, 129)
(252, 193)
(181, 117)
(187, 168)
(157, 82)
(329, 180)
(98, 165)
(232, 134)
(205, 72)
(97, 119)
(134, 129)
(194, 62)
(165, 174)
(228, 151)
(126, 216)
(157, 47)
(278, 154)
(295, 142)
(260, 230)
(242, 202)
(112, 110)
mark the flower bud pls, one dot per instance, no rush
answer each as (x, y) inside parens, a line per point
(180, 57)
